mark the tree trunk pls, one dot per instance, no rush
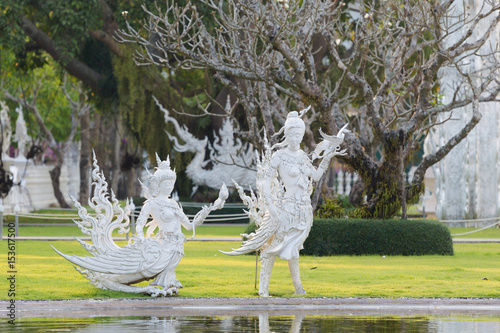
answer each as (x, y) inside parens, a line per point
(100, 139)
(319, 188)
(382, 189)
(85, 159)
(402, 177)
(130, 182)
(54, 175)
(357, 191)
(317, 193)
(115, 168)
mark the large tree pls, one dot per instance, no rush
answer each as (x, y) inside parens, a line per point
(379, 71)
(80, 37)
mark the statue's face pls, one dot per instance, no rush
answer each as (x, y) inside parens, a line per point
(166, 187)
(294, 137)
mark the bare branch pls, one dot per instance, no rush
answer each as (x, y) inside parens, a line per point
(379, 69)
(34, 110)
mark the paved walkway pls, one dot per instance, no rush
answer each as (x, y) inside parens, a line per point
(476, 240)
(180, 306)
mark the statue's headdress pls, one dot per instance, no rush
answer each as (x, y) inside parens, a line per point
(163, 172)
(293, 120)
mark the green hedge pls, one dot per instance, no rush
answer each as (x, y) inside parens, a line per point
(382, 237)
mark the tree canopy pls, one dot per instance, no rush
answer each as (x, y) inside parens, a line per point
(78, 38)
(373, 64)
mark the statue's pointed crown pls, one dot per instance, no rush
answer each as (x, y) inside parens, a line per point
(162, 171)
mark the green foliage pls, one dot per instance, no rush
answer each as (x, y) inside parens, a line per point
(436, 99)
(360, 213)
(145, 121)
(96, 55)
(330, 208)
(70, 21)
(384, 194)
(381, 237)
(251, 228)
(10, 24)
(47, 81)
(344, 202)
(67, 23)
(388, 204)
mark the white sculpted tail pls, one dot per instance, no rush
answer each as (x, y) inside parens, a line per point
(108, 216)
(258, 211)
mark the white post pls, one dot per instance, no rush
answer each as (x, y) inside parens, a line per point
(17, 209)
(340, 182)
(1, 218)
(348, 183)
(131, 211)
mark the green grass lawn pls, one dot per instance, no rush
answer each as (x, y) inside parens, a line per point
(208, 230)
(486, 233)
(201, 231)
(474, 271)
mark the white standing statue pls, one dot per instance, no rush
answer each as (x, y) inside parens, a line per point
(146, 257)
(283, 210)
(6, 129)
(21, 135)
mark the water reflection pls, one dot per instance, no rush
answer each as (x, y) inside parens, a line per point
(295, 328)
(262, 323)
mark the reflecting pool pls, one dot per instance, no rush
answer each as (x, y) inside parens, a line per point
(260, 323)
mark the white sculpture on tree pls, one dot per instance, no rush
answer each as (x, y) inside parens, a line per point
(146, 257)
(282, 210)
(230, 158)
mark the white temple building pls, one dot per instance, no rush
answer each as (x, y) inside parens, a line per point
(467, 180)
(32, 183)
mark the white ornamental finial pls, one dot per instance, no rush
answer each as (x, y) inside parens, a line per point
(158, 160)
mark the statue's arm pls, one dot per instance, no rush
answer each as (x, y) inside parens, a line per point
(322, 167)
(205, 210)
(325, 163)
(184, 219)
(142, 219)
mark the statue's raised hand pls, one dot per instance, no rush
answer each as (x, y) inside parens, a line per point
(337, 152)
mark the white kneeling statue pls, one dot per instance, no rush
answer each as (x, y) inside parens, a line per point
(146, 257)
(282, 210)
